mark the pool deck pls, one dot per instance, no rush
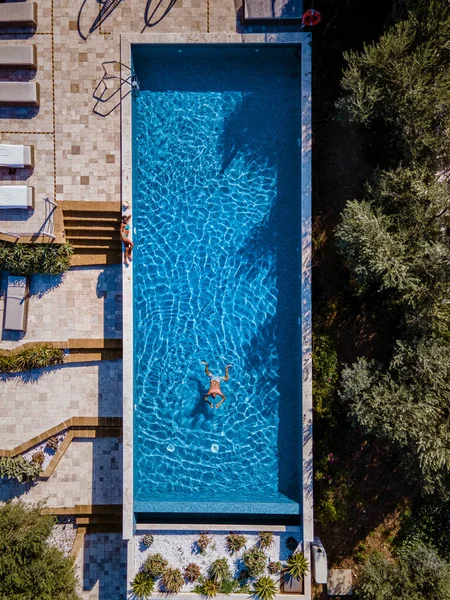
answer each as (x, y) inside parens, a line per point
(78, 157)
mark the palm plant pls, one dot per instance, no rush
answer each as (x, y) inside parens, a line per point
(155, 565)
(203, 542)
(265, 588)
(275, 567)
(219, 569)
(143, 585)
(265, 539)
(192, 572)
(147, 540)
(208, 588)
(255, 560)
(297, 565)
(235, 542)
(172, 580)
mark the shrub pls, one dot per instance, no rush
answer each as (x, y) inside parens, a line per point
(265, 539)
(29, 567)
(52, 443)
(229, 586)
(37, 357)
(297, 565)
(147, 540)
(235, 542)
(265, 588)
(155, 565)
(192, 572)
(255, 560)
(143, 585)
(417, 573)
(291, 544)
(325, 374)
(219, 569)
(38, 459)
(208, 588)
(172, 580)
(18, 468)
(203, 541)
(275, 567)
(35, 259)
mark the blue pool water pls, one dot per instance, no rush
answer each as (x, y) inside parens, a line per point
(216, 209)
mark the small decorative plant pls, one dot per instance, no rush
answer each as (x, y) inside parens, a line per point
(155, 565)
(291, 544)
(142, 585)
(147, 540)
(255, 560)
(265, 588)
(297, 565)
(16, 467)
(235, 542)
(265, 539)
(203, 541)
(38, 459)
(37, 357)
(219, 570)
(275, 567)
(192, 572)
(172, 580)
(52, 443)
(208, 588)
(229, 586)
(35, 259)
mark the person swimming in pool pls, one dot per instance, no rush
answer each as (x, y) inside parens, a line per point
(214, 386)
(124, 233)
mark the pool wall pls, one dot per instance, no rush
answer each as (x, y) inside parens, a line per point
(304, 331)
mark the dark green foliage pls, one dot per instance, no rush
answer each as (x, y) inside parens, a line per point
(325, 374)
(402, 81)
(418, 573)
(16, 467)
(265, 588)
(155, 565)
(235, 542)
(143, 585)
(275, 567)
(265, 539)
(35, 259)
(207, 587)
(38, 357)
(255, 560)
(203, 542)
(147, 540)
(291, 544)
(220, 569)
(192, 572)
(427, 523)
(229, 586)
(172, 580)
(297, 565)
(29, 568)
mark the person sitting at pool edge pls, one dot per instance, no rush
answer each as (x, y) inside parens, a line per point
(124, 232)
(214, 386)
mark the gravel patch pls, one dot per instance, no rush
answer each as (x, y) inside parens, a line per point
(180, 548)
(63, 534)
(48, 453)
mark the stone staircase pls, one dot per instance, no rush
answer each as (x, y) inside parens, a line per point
(93, 229)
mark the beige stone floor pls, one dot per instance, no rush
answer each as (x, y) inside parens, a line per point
(78, 151)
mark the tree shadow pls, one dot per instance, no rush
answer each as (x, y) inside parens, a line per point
(41, 285)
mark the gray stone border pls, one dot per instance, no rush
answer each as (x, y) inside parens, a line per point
(306, 318)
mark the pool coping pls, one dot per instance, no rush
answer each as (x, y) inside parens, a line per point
(126, 41)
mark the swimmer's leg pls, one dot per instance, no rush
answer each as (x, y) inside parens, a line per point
(223, 400)
(226, 378)
(206, 400)
(207, 371)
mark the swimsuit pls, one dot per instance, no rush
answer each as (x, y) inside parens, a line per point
(215, 379)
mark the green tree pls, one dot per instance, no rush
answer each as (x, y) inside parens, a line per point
(29, 567)
(417, 574)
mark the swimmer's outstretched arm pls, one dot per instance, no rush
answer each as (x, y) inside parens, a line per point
(207, 371)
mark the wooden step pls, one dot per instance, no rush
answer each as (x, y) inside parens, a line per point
(99, 231)
(91, 217)
(90, 205)
(105, 528)
(89, 259)
(99, 519)
(84, 243)
(101, 343)
(93, 356)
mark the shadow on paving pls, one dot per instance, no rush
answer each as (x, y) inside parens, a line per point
(105, 565)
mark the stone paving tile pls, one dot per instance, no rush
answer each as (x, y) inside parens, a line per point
(85, 302)
(37, 400)
(102, 567)
(90, 472)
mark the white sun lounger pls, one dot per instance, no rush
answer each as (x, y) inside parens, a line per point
(16, 309)
(15, 156)
(16, 196)
(18, 57)
(18, 14)
(19, 93)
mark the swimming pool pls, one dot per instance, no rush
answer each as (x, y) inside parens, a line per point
(216, 277)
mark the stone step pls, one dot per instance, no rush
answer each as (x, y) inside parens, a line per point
(90, 205)
(84, 242)
(88, 258)
(88, 218)
(78, 356)
(99, 519)
(94, 229)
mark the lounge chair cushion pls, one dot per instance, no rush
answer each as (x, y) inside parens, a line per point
(19, 93)
(16, 309)
(18, 14)
(23, 56)
(15, 156)
(16, 196)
